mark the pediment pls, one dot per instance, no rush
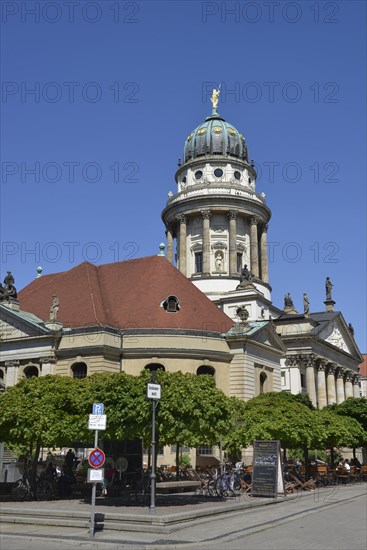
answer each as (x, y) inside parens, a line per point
(19, 325)
(268, 337)
(337, 334)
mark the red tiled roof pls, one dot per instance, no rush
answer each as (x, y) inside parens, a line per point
(363, 366)
(124, 295)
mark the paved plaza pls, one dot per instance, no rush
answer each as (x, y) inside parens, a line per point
(332, 518)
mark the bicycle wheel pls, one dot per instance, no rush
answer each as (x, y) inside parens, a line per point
(237, 485)
(211, 488)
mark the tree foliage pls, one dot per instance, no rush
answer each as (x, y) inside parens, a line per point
(192, 410)
(354, 407)
(275, 415)
(42, 411)
(338, 430)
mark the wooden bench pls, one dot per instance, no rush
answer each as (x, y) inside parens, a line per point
(177, 486)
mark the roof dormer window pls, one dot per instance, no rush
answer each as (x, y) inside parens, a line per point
(171, 304)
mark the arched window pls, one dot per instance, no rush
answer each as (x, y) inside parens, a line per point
(154, 366)
(263, 379)
(79, 370)
(205, 369)
(30, 372)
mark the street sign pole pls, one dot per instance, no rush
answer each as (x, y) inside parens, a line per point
(94, 489)
(153, 393)
(153, 476)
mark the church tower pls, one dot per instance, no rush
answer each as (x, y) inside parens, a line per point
(219, 220)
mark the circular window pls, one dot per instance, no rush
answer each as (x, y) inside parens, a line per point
(184, 179)
(218, 172)
(198, 174)
(237, 175)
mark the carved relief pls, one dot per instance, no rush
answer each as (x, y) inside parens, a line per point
(336, 339)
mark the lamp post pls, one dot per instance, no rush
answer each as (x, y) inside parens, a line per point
(153, 393)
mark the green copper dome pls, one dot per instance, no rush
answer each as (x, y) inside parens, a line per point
(215, 137)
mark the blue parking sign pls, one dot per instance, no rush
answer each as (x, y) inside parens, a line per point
(98, 408)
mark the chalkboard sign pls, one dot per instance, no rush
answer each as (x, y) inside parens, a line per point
(267, 474)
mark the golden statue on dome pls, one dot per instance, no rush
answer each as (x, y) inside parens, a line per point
(215, 97)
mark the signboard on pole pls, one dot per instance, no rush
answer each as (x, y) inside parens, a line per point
(153, 391)
(98, 408)
(267, 473)
(95, 475)
(96, 458)
(97, 421)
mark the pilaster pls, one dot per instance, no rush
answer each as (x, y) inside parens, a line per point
(254, 246)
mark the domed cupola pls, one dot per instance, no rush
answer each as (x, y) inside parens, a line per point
(215, 136)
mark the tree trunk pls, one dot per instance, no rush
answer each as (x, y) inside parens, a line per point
(354, 454)
(35, 463)
(285, 455)
(307, 464)
(177, 461)
(332, 457)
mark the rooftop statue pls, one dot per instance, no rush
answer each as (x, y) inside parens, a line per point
(55, 306)
(306, 304)
(8, 292)
(288, 302)
(328, 288)
(215, 98)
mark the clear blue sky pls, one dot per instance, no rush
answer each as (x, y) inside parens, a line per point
(120, 85)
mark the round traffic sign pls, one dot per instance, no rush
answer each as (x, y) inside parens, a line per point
(96, 458)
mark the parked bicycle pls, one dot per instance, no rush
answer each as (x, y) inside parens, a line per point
(229, 483)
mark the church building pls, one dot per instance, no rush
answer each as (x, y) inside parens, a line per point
(205, 308)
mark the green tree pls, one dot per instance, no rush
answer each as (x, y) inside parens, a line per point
(39, 412)
(276, 415)
(338, 430)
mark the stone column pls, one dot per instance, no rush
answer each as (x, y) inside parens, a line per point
(331, 389)
(46, 365)
(321, 384)
(309, 360)
(169, 244)
(340, 395)
(294, 373)
(254, 247)
(264, 256)
(206, 241)
(12, 372)
(232, 242)
(182, 249)
(348, 385)
(356, 392)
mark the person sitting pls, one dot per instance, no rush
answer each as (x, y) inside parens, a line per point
(109, 477)
(346, 465)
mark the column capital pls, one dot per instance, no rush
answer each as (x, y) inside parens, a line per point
(206, 214)
(339, 372)
(322, 364)
(47, 359)
(182, 218)
(309, 360)
(355, 378)
(292, 361)
(254, 220)
(331, 368)
(265, 228)
(12, 363)
(348, 376)
(232, 214)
